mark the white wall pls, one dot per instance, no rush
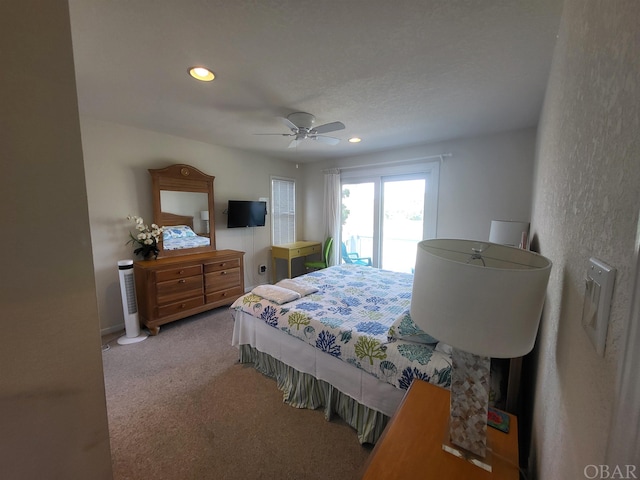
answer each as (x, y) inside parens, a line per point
(586, 203)
(487, 178)
(53, 415)
(118, 184)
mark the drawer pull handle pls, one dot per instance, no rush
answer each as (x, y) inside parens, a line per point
(222, 264)
(224, 294)
(182, 281)
(180, 272)
(182, 305)
(224, 272)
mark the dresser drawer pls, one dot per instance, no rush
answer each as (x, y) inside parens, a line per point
(178, 272)
(303, 252)
(222, 265)
(222, 280)
(224, 296)
(179, 307)
(174, 290)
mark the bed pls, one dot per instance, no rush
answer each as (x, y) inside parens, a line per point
(178, 232)
(341, 339)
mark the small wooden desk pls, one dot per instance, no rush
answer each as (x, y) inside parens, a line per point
(289, 251)
(411, 444)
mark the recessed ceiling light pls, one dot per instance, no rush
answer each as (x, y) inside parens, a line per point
(355, 140)
(201, 73)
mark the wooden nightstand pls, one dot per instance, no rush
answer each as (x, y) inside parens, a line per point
(411, 445)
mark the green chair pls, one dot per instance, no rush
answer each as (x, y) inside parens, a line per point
(353, 257)
(326, 252)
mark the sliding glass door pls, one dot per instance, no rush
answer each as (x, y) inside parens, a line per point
(384, 216)
(402, 225)
(358, 223)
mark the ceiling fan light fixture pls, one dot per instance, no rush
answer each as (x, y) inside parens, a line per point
(355, 140)
(201, 73)
(302, 119)
(301, 126)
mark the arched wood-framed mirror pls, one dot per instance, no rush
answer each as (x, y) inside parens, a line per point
(183, 197)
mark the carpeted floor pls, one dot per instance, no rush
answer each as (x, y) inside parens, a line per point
(180, 406)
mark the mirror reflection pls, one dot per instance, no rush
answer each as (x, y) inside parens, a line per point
(188, 204)
(183, 205)
(193, 230)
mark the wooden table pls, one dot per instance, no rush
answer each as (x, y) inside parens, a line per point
(289, 251)
(411, 445)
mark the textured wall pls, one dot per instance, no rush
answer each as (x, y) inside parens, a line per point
(586, 200)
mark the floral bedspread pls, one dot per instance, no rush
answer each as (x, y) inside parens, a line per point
(349, 317)
(185, 242)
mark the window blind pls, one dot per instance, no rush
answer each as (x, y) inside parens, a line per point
(283, 201)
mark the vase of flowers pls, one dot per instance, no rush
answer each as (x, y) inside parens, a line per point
(146, 240)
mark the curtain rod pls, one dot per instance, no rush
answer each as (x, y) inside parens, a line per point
(440, 156)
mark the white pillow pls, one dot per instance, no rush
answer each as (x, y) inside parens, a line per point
(276, 294)
(302, 288)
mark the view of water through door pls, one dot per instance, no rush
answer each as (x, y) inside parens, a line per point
(402, 223)
(383, 220)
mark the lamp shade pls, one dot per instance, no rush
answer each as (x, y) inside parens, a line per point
(204, 215)
(507, 232)
(479, 297)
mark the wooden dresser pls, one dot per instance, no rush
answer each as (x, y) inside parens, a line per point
(172, 288)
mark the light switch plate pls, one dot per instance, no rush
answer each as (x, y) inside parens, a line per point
(597, 302)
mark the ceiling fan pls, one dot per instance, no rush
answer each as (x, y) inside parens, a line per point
(301, 126)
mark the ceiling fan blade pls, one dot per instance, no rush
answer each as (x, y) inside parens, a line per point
(279, 134)
(291, 126)
(327, 140)
(294, 143)
(328, 127)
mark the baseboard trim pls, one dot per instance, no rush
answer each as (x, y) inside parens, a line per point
(113, 329)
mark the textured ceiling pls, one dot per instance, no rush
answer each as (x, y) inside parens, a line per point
(396, 73)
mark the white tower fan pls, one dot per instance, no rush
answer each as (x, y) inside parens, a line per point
(129, 304)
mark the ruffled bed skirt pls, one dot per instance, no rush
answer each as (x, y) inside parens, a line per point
(302, 390)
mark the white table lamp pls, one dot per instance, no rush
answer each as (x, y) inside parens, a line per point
(485, 300)
(204, 216)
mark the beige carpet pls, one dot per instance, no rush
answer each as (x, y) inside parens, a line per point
(181, 407)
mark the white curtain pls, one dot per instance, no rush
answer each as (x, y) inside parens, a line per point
(331, 219)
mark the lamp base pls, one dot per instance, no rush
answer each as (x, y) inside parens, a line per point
(469, 405)
(485, 462)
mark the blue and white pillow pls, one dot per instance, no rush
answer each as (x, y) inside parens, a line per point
(405, 329)
(177, 231)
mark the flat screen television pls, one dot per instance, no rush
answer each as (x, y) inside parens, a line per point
(246, 213)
